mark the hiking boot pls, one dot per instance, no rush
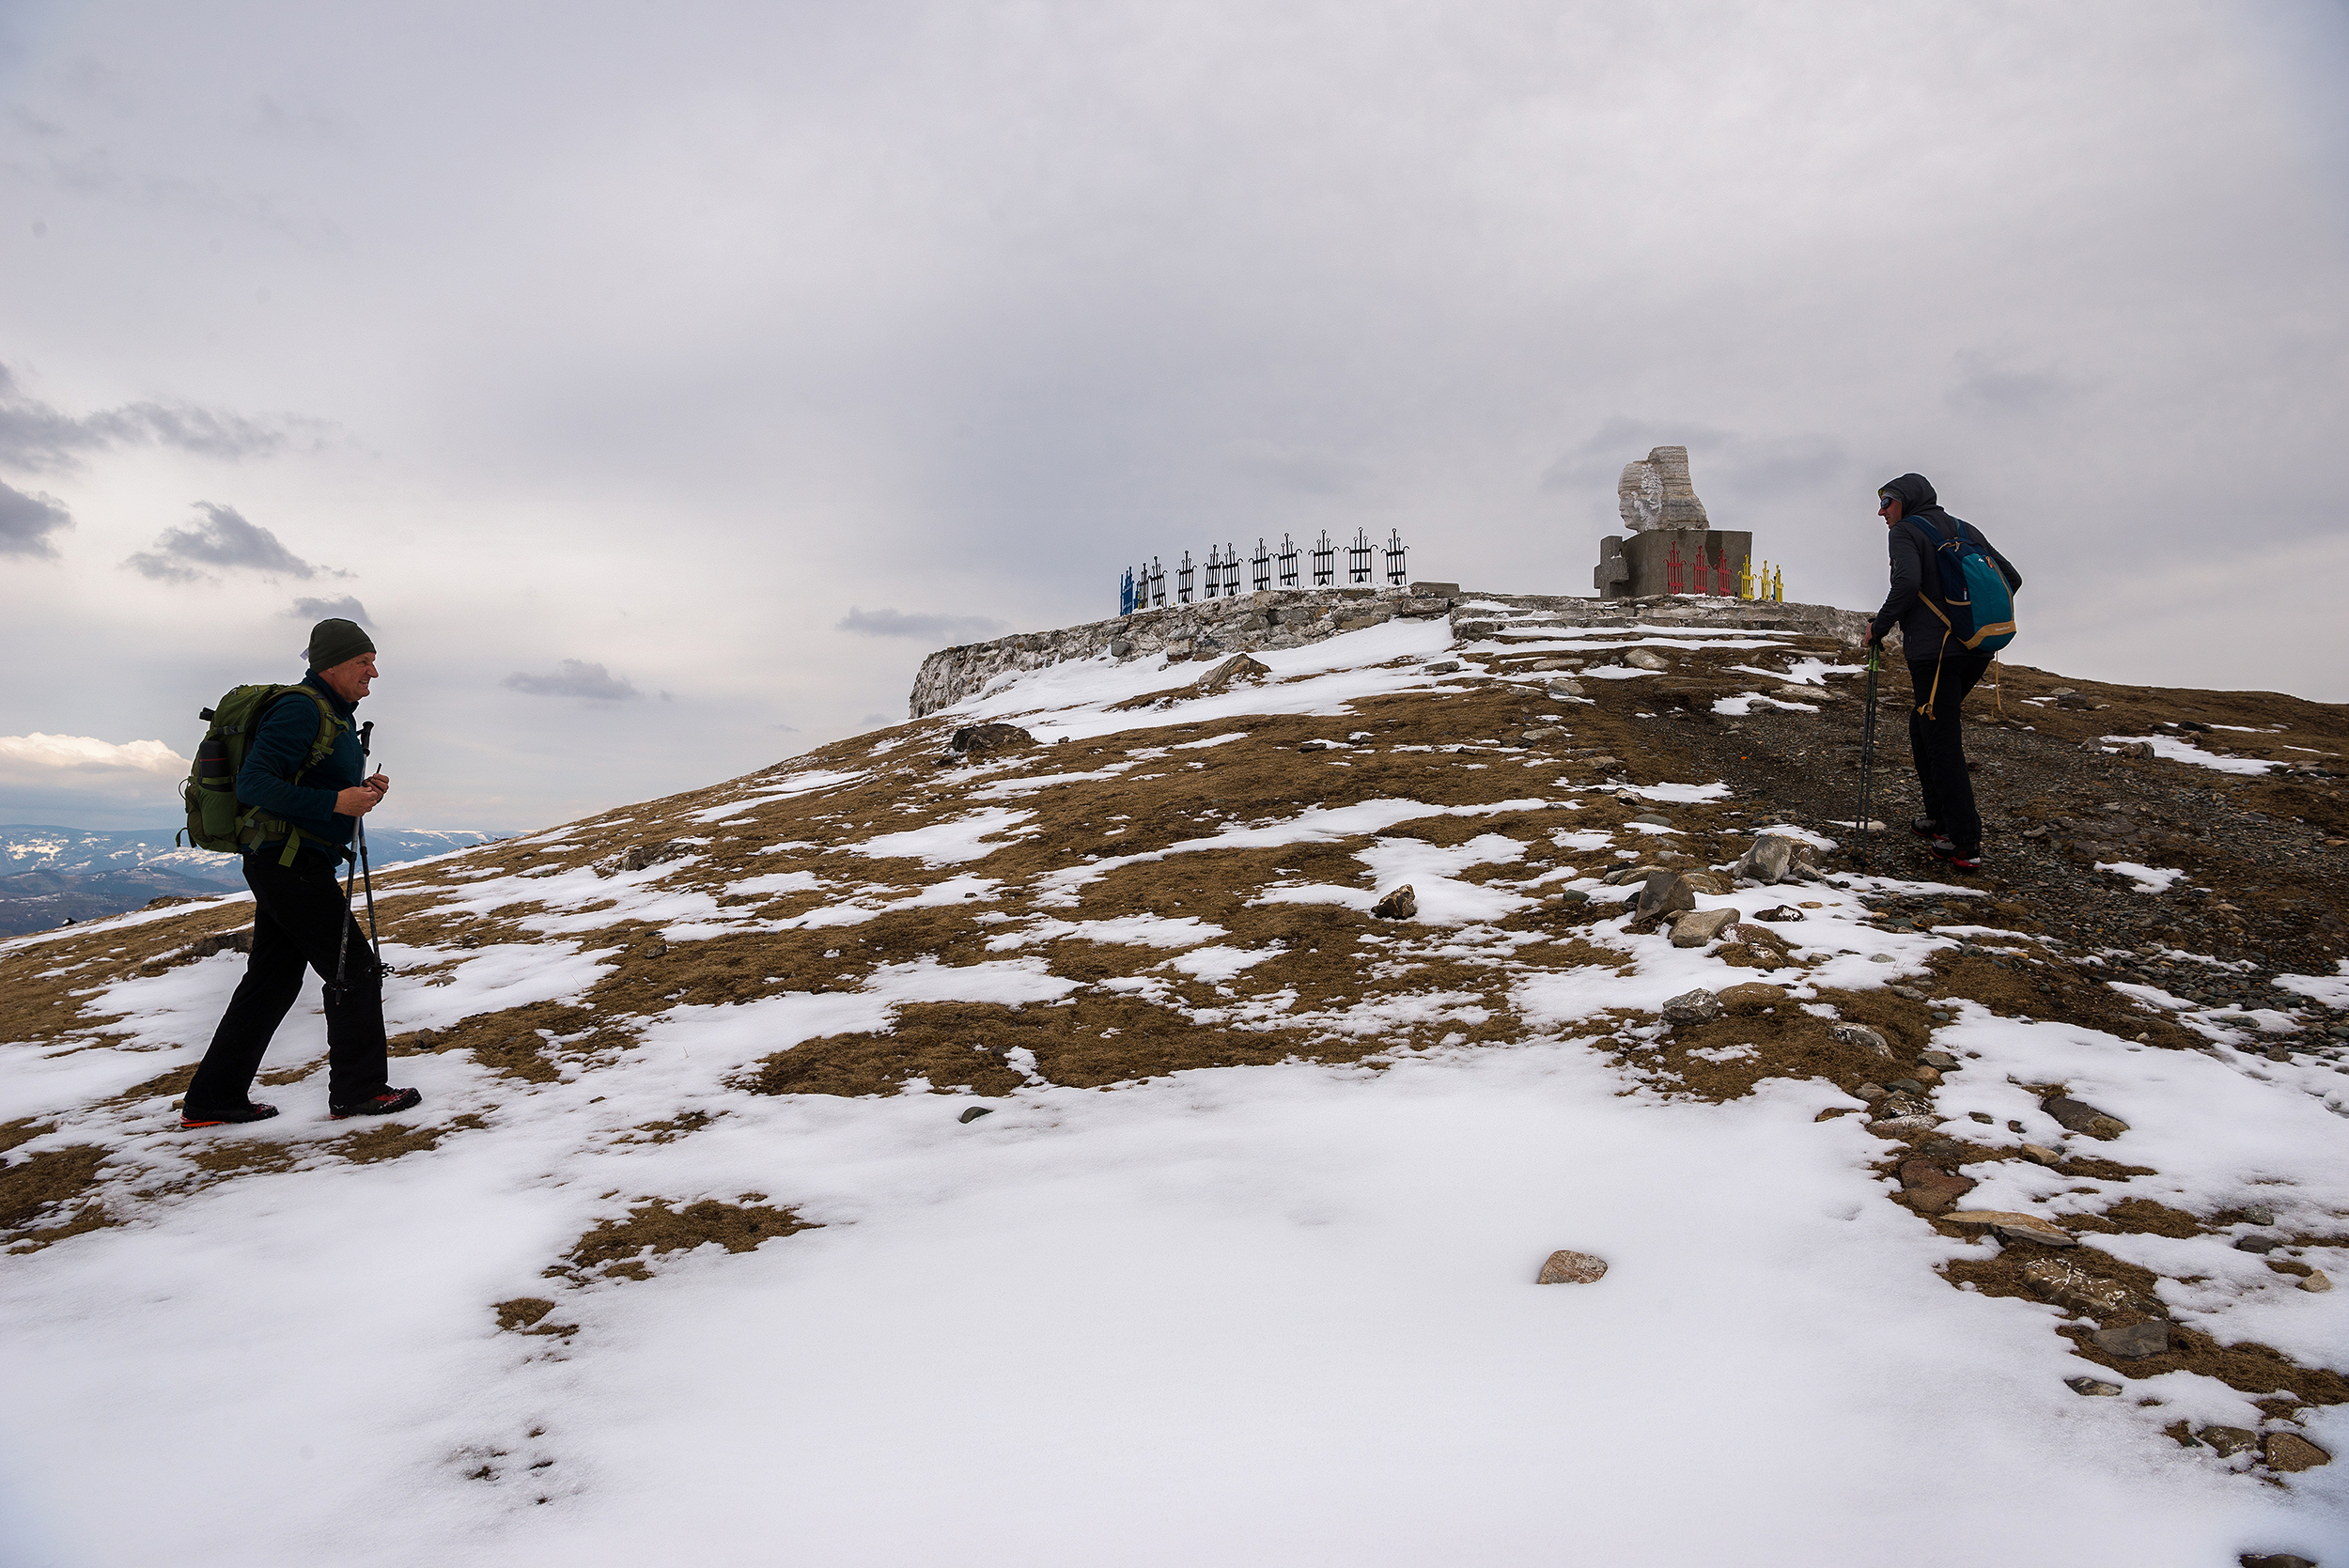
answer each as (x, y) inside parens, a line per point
(1962, 859)
(1925, 828)
(242, 1113)
(376, 1105)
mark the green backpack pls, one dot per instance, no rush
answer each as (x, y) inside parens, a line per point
(217, 819)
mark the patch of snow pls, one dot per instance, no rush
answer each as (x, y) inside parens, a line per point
(2148, 879)
(953, 842)
(2171, 748)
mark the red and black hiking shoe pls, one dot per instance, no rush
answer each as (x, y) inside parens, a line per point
(242, 1113)
(1925, 828)
(376, 1105)
(1960, 859)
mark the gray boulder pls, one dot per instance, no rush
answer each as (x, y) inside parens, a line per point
(1767, 859)
(1691, 1007)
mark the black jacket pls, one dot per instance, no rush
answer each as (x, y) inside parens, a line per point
(1916, 575)
(286, 732)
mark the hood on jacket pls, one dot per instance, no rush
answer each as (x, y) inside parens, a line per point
(1914, 491)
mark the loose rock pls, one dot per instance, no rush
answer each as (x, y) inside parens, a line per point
(1402, 904)
(638, 855)
(2072, 1287)
(973, 739)
(1752, 996)
(2013, 1226)
(2228, 1441)
(1901, 1126)
(1234, 671)
(1931, 1189)
(1665, 893)
(1645, 658)
(2132, 1342)
(2095, 1387)
(2039, 1154)
(1767, 859)
(1571, 1269)
(974, 1112)
(2076, 1116)
(1861, 1035)
(1691, 1007)
(2291, 1454)
(1699, 926)
(2317, 1282)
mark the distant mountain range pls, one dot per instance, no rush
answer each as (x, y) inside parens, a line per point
(49, 876)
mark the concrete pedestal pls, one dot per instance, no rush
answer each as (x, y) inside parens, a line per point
(1639, 564)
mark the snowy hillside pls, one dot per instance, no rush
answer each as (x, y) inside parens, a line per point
(1046, 1154)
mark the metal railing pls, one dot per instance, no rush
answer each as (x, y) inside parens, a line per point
(1144, 587)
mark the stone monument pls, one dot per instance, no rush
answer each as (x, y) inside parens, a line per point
(1670, 547)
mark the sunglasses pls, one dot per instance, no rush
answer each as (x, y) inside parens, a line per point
(1884, 500)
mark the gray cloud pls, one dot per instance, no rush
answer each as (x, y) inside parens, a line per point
(39, 438)
(1985, 386)
(225, 540)
(27, 521)
(1304, 472)
(575, 678)
(936, 629)
(346, 608)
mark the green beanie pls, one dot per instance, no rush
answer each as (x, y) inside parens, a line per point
(333, 641)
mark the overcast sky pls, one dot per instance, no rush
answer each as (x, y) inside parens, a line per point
(661, 382)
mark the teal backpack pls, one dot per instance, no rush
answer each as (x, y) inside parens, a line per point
(1980, 616)
(217, 820)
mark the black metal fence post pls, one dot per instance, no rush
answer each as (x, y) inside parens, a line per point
(1184, 572)
(1260, 566)
(1397, 551)
(1288, 563)
(1325, 562)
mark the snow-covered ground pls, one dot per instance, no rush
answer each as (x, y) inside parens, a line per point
(1272, 1314)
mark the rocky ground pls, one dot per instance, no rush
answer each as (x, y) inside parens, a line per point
(1173, 868)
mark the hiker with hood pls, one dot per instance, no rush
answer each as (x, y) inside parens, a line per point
(1941, 667)
(305, 811)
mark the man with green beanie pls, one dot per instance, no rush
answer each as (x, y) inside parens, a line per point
(299, 917)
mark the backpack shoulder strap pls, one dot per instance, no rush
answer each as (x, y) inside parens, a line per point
(331, 724)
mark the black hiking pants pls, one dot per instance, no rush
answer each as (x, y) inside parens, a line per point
(299, 918)
(1937, 744)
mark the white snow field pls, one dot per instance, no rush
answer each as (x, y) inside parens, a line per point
(1281, 1314)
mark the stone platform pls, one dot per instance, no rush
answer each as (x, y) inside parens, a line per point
(1292, 618)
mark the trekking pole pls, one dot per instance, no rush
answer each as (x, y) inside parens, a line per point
(342, 944)
(366, 880)
(1867, 753)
